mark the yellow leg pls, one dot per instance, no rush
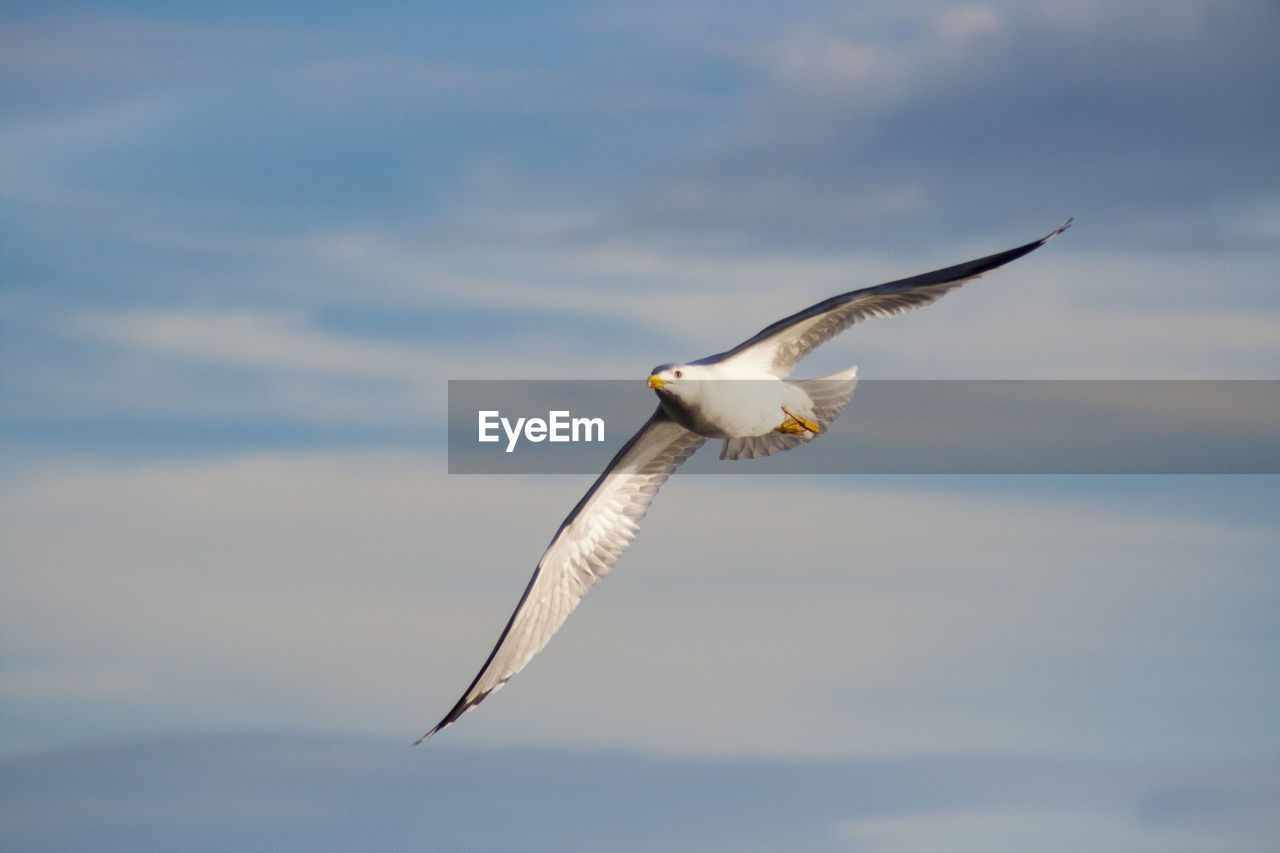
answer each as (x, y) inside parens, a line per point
(795, 425)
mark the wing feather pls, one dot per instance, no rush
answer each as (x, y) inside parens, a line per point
(779, 347)
(605, 521)
(588, 543)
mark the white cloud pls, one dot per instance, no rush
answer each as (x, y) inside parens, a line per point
(968, 23)
(360, 591)
(236, 365)
(853, 61)
(1144, 315)
(610, 309)
(1044, 829)
(331, 588)
(267, 341)
(816, 62)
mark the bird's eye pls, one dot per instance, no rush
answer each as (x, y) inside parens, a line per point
(679, 373)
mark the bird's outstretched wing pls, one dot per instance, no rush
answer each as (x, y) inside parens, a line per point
(583, 550)
(780, 346)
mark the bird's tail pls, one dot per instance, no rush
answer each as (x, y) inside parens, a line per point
(829, 394)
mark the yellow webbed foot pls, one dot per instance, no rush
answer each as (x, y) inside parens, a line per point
(796, 425)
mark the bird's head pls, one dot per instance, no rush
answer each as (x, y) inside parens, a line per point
(676, 381)
(667, 377)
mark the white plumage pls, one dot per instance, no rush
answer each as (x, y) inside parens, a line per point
(741, 396)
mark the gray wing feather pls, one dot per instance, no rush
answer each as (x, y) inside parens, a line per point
(583, 550)
(780, 346)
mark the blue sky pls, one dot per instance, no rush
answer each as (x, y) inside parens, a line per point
(243, 248)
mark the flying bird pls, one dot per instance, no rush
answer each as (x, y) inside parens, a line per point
(697, 400)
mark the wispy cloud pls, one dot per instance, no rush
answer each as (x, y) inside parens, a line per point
(272, 342)
(262, 231)
(995, 113)
(210, 793)
(325, 580)
(1045, 828)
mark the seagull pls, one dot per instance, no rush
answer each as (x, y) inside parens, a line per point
(702, 399)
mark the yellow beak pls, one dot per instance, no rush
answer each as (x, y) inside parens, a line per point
(656, 381)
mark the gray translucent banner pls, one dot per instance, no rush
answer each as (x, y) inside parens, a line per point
(898, 427)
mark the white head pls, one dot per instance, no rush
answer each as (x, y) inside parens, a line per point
(679, 387)
(675, 380)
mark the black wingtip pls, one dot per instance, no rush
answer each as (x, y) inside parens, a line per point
(466, 703)
(981, 266)
(1055, 232)
(447, 721)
